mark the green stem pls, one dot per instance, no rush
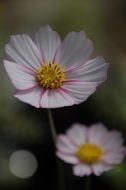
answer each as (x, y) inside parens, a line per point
(51, 124)
(60, 169)
(88, 183)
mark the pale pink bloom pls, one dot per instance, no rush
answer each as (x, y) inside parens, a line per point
(91, 149)
(49, 73)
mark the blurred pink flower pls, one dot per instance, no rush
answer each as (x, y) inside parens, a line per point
(49, 73)
(90, 149)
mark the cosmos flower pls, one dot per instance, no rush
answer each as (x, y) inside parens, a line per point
(49, 73)
(91, 149)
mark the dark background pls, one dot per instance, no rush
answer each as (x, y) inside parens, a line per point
(24, 127)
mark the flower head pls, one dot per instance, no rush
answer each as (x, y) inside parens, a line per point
(49, 73)
(90, 149)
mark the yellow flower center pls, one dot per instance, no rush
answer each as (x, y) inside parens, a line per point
(89, 153)
(50, 75)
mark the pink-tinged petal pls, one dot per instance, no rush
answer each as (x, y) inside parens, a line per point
(79, 90)
(31, 96)
(22, 50)
(21, 77)
(74, 50)
(99, 168)
(94, 70)
(114, 155)
(47, 41)
(97, 133)
(68, 158)
(112, 140)
(64, 145)
(55, 98)
(82, 170)
(77, 134)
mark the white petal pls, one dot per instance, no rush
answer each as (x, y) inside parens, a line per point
(68, 158)
(31, 96)
(99, 168)
(55, 98)
(79, 90)
(94, 70)
(22, 50)
(82, 170)
(112, 140)
(21, 77)
(77, 134)
(64, 145)
(97, 133)
(74, 50)
(115, 155)
(47, 41)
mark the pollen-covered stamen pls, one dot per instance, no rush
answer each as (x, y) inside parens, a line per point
(89, 153)
(50, 75)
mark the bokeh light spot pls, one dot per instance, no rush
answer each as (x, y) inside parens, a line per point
(23, 164)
